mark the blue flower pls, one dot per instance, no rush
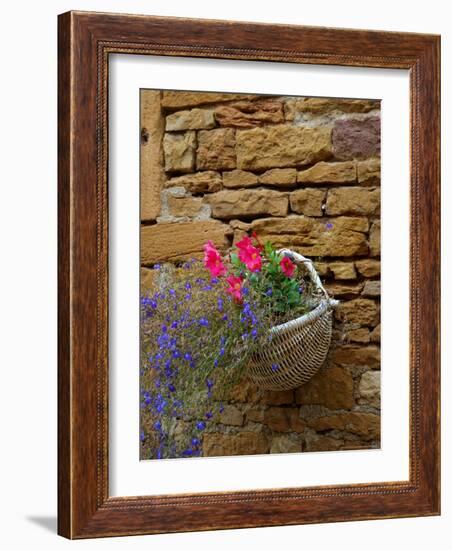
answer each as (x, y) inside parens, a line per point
(209, 415)
(200, 426)
(329, 225)
(204, 322)
(171, 388)
(209, 383)
(215, 363)
(188, 356)
(158, 425)
(174, 324)
(254, 333)
(157, 266)
(176, 354)
(221, 353)
(142, 436)
(275, 367)
(269, 292)
(195, 441)
(187, 285)
(187, 452)
(147, 397)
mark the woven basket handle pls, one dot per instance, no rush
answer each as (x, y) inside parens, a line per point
(299, 259)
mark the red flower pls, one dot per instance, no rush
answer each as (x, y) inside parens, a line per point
(212, 260)
(235, 287)
(249, 254)
(287, 266)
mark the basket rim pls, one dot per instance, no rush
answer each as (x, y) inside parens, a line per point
(326, 304)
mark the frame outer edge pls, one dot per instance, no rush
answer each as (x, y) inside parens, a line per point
(82, 510)
(64, 278)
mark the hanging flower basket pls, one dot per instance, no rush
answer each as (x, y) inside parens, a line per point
(297, 348)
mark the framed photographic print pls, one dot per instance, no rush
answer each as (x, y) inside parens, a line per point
(248, 275)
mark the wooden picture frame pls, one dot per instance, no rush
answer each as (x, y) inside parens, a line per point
(86, 40)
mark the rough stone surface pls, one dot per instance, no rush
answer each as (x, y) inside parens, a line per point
(285, 444)
(240, 230)
(369, 388)
(284, 397)
(183, 100)
(255, 415)
(368, 267)
(353, 200)
(195, 119)
(332, 388)
(249, 114)
(232, 204)
(312, 237)
(231, 416)
(307, 201)
(343, 271)
(329, 172)
(245, 392)
(201, 182)
(362, 311)
(375, 335)
(369, 171)
(282, 146)
(283, 420)
(279, 177)
(180, 241)
(216, 149)
(356, 138)
(341, 290)
(184, 206)
(152, 175)
(321, 106)
(358, 335)
(243, 443)
(372, 288)
(355, 356)
(374, 239)
(366, 425)
(318, 443)
(180, 152)
(239, 178)
(148, 279)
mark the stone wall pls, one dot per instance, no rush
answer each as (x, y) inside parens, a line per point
(304, 173)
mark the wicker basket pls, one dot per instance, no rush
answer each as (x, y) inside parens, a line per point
(298, 347)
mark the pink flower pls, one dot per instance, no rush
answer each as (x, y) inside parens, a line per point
(213, 261)
(249, 254)
(287, 266)
(235, 287)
